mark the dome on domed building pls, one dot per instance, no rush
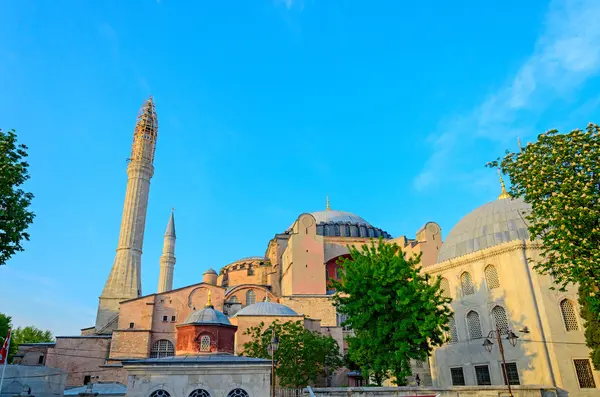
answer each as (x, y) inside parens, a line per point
(344, 224)
(266, 309)
(207, 316)
(494, 223)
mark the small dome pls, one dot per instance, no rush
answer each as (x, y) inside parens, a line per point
(494, 223)
(266, 309)
(208, 315)
(210, 271)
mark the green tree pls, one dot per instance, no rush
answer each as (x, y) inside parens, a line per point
(29, 334)
(15, 216)
(5, 325)
(558, 176)
(397, 312)
(302, 355)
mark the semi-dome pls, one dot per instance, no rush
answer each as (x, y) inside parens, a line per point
(266, 309)
(494, 223)
(208, 315)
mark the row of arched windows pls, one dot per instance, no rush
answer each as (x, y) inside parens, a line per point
(201, 393)
(466, 282)
(500, 321)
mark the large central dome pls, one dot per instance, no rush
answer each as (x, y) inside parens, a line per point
(344, 224)
(494, 223)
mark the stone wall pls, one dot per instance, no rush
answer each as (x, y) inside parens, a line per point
(189, 336)
(81, 356)
(43, 381)
(317, 307)
(32, 353)
(462, 391)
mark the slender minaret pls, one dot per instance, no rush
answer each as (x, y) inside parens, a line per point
(124, 281)
(167, 259)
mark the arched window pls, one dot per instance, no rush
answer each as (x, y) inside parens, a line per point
(162, 348)
(466, 283)
(234, 299)
(205, 343)
(452, 332)
(199, 393)
(474, 325)
(160, 393)
(238, 393)
(491, 277)
(250, 297)
(499, 315)
(568, 313)
(336, 229)
(445, 287)
(347, 231)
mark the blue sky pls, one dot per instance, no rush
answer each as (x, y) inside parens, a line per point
(265, 107)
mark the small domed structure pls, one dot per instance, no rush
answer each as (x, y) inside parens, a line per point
(205, 331)
(266, 308)
(210, 277)
(494, 223)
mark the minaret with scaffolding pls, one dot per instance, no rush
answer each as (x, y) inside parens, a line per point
(125, 279)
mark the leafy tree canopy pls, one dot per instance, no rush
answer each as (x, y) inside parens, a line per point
(559, 177)
(397, 312)
(15, 216)
(302, 355)
(29, 334)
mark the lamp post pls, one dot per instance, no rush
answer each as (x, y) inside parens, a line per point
(488, 345)
(272, 349)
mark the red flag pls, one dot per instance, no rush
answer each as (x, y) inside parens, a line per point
(4, 350)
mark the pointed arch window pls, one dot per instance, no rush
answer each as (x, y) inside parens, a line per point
(466, 283)
(250, 297)
(452, 332)
(234, 299)
(474, 325)
(445, 287)
(500, 319)
(491, 277)
(568, 314)
(162, 348)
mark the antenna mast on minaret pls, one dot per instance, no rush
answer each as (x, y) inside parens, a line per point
(125, 279)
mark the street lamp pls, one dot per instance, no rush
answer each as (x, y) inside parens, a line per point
(488, 345)
(273, 346)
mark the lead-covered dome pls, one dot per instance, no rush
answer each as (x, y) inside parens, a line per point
(494, 223)
(266, 309)
(208, 316)
(344, 224)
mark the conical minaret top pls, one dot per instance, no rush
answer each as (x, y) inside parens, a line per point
(125, 278)
(503, 193)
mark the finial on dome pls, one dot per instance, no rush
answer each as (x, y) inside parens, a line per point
(503, 194)
(327, 206)
(209, 302)
(519, 142)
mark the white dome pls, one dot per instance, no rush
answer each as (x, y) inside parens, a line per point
(494, 223)
(266, 309)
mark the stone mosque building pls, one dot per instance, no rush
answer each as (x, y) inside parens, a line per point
(483, 263)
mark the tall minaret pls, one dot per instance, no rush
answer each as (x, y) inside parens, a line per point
(167, 259)
(124, 281)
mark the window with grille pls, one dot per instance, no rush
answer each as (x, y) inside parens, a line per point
(491, 277)
(160, 393)
(512, 372)
(165, 319)
(584, 374)
(250, 297)
(466, 283)
(458, 376)
(419, 364)
(482, 374)
(162, 348)
(445, 287)
(452, 332)
(568, 313)
(199, 393)
(205, 343)
(500, 319)
(238, 393)
(234, 299)
(474, 325)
